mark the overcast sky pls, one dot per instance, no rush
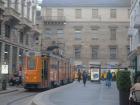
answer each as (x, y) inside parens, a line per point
(39, 1)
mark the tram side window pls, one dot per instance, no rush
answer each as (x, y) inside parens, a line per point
(31, 62)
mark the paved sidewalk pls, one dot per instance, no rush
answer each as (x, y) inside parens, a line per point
(92, 94)
(77, 94)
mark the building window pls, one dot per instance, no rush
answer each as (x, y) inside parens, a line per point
(94, 13)
(78, 14)
(60, 12)
(49, 12)
(28, 9)
(77, 34)
(77, 52)
(94, 53)
(16, 5)
(60, 33)
(0, 51)
(37, 38)
(27, 39)
(21, 37)
(0, 28)
(8, 3)
(128, 13)
(48, 32)
(113, 53)
(113, 33)
(14, 59)
(6, 53)
(113, 13)
(94, 33)
(20, 54)
(7, 31)
(33, 14)
(128, 50)
(22, 8)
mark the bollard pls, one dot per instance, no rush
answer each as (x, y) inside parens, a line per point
(4, 85)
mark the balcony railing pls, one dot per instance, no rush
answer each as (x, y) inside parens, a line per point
(54, 19)
(137, 22)
(1, 5)
(12, 12)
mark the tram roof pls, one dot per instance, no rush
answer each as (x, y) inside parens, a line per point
(32, 53)
(29, 53)
(81, 3)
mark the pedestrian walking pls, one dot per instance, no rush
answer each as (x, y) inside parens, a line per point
(84, 77)
(108, 79)
(20, 76)
(79, 75)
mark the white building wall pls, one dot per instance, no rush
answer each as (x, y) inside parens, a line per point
(86, 22)
(13, 40)
(134, 33)
(135, 10)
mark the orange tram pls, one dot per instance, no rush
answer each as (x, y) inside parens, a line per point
(46, 71)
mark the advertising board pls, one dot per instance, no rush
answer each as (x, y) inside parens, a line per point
(4, 69)
(95, 74)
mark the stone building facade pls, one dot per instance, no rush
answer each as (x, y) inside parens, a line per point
(90, 32)
(134, 35)
(18, 32)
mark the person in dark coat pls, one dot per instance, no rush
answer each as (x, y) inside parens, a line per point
(84, 77)
(108, 78)
(79, 75)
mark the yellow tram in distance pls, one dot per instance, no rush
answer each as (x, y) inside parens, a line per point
(45, 71)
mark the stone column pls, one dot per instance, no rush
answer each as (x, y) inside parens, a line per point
(10, 61)
(2, 57)
(2, 53)
(17, 59)
(2, 29)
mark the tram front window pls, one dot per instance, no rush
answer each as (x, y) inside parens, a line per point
(31, 62)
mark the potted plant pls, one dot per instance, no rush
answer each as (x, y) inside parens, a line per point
(123, 85)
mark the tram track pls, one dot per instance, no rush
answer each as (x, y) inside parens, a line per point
(18, 97)
(8, 92)
(21, 98)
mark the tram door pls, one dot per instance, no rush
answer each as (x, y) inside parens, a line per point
(44, 72)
